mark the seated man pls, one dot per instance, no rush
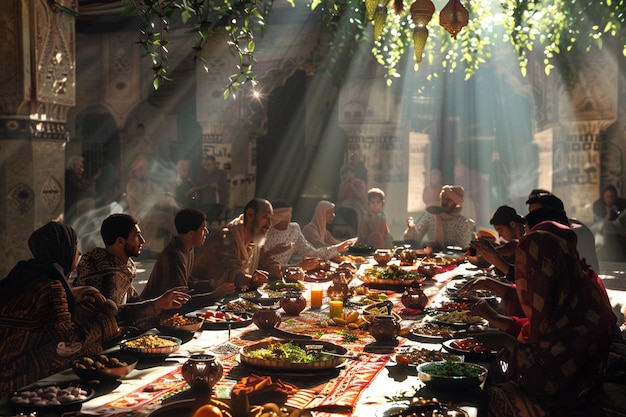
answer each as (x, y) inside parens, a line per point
(510, 226)
(111, 270)
(236, 254)
(285, 238)
(173, 266)
(448, 228)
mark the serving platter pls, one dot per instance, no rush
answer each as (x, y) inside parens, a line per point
(325, 364)
(187, 408)
(404, 409)
(17, 399)
(415, 356)
(463, 347)
(360, 249)
(178, 324)
(432, 332)
(111, 366)
(265, 298)
(462, 318)
(225, 319)
(318, 276)
(151, 345)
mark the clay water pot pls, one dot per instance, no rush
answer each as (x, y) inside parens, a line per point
(202, 372)
(414, 297)
(267, 318)
(384, 328)
(293, 303)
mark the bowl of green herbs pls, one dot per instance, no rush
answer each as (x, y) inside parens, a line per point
(450, 375)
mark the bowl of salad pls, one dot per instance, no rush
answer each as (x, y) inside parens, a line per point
(450, 375)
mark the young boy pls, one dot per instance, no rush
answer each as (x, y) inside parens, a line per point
(173, 266)
(374, 230)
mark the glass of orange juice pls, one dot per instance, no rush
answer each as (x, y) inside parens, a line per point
(316, 296)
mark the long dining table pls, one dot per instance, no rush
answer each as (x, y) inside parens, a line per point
(371, 385)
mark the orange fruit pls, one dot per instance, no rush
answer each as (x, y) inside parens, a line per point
(208, 410)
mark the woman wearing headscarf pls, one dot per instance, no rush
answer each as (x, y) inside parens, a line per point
(45, 325)
(557, 350)
(315, 231)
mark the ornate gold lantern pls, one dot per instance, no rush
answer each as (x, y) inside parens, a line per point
(453, 17)
(421, 13)
(379, 20)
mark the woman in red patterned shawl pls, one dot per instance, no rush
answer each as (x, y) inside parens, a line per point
(44, 324)
(557, 352)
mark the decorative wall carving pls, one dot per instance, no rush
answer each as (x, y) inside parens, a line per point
(22, 198)
(52, 194)
(54, 53)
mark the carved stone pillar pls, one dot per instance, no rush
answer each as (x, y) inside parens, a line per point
(586, 112)
(36, 90)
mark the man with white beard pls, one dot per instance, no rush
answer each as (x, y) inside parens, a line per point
(236, 254)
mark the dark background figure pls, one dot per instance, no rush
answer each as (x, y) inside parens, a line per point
(185, 194)
(212, 188)
(610, 225)
(609, 205)
(78, 198)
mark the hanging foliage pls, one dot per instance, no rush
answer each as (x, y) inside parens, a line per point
(555, 27)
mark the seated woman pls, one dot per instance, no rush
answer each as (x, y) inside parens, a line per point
(285, 241)
(558, 349)
(45, 325)
(316, 231)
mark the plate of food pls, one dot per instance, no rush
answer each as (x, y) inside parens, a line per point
(361, 249)
(432, 332)
(467, 346)
(420, 406)
(461, 318)
(227, 407)
(241, 306)
(318, 276)
(282, 286)
(451, 305)
(51, 399)
(293, 356)
(151, 345)
(177, 323)
(189, 408)
(263, 297)
(224, 319)
(103, 367)
(391, 276)
(416, 356)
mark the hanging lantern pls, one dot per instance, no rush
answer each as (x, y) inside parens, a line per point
(379, 20)
(370, 8)
(420, 34)
(453, 17)
(422, 11)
